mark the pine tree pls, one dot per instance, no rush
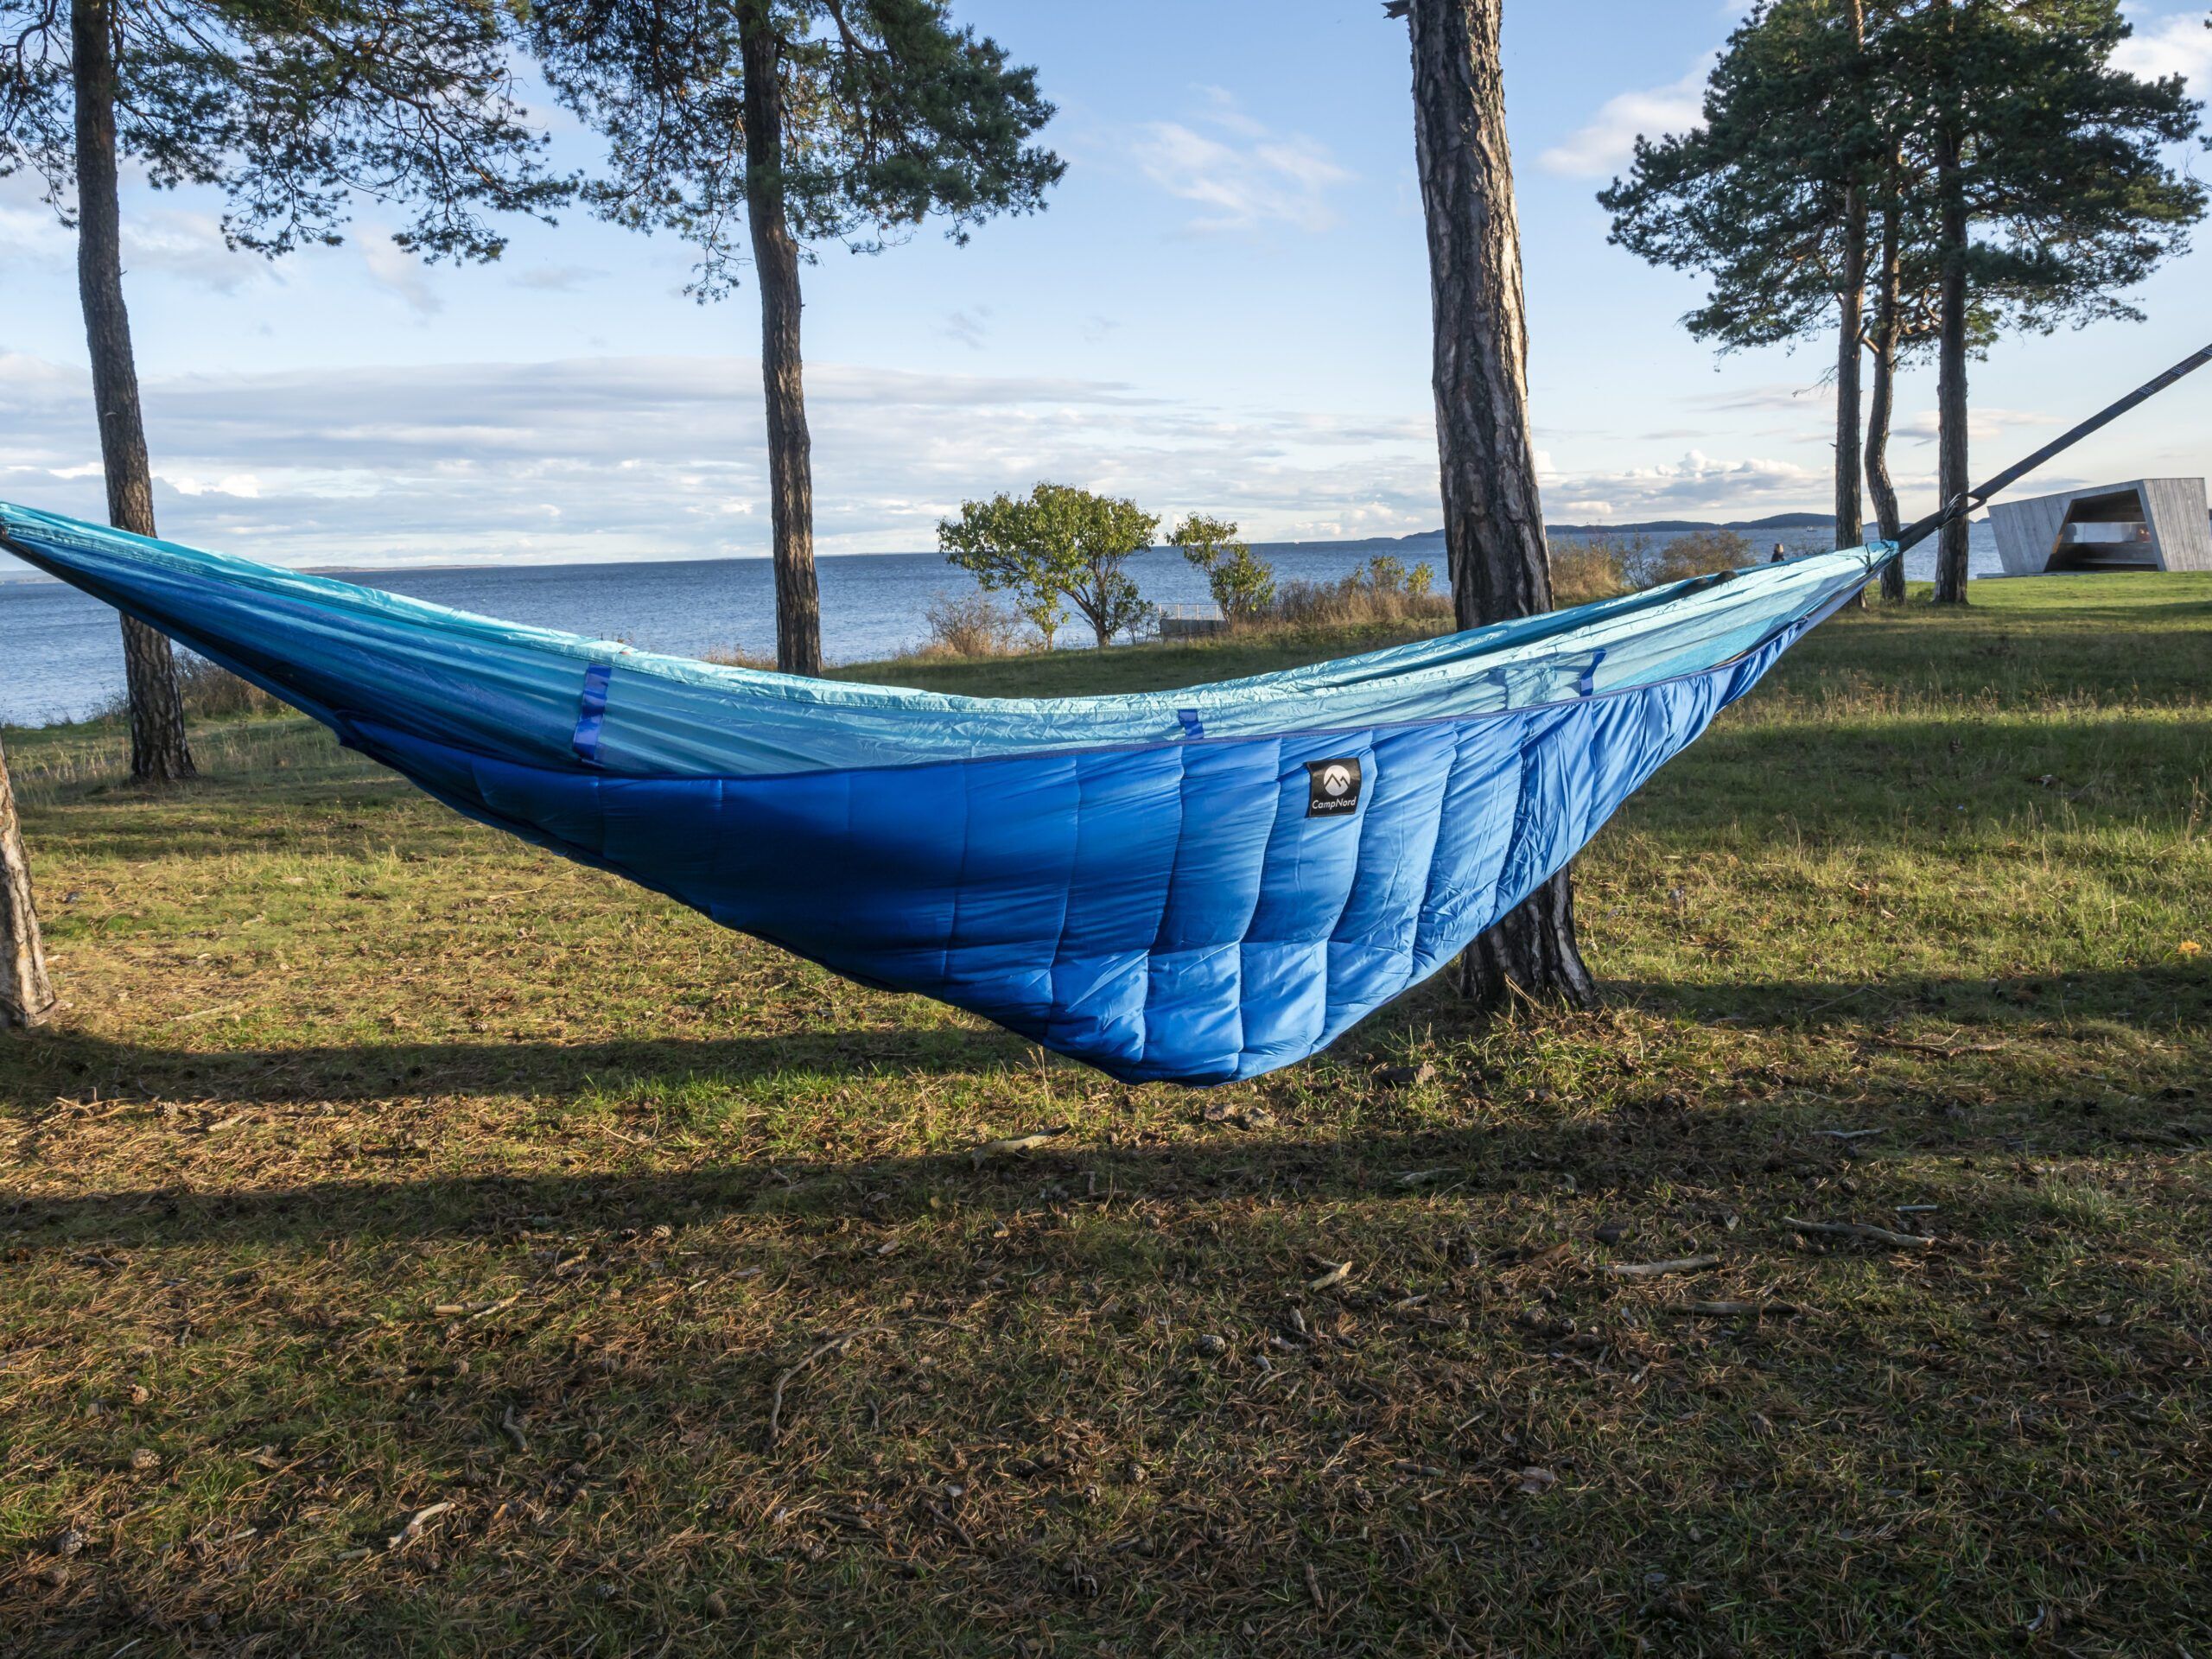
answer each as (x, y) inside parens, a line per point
(1493, 517)
(291, 110)
(26, 996)
(809, 121)
(2052, 188)
(2010, 177)
(1771, 196)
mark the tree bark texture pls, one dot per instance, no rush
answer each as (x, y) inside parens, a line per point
(159, 752)
(26, 995)
(1493, 516)
(775, 258)
(1951, 366)
(1851, 305)
(1881, 404)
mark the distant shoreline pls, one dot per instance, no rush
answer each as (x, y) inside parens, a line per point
(1422, 539)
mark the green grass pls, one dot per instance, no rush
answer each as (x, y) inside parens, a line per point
(379, 1162)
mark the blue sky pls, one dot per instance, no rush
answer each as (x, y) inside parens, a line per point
(1225, 310)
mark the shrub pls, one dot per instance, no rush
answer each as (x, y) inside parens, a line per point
(1242, 587)
(1585, 572)
(212, 693)
(973, 624)
(1383, 591)
(207, 691)
(1700, 553)
(738, 657)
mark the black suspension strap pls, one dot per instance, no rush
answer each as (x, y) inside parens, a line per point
(1920, 530)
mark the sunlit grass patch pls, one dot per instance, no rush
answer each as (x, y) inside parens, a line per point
(379, 1163)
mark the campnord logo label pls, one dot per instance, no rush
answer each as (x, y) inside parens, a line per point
(1333, 787)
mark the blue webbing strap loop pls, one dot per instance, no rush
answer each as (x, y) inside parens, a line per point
(1588, 684)
(591, 711)
(1192, 725)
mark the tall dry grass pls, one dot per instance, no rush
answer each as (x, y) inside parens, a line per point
(209, 693)
(1382, 591)
(975, 625)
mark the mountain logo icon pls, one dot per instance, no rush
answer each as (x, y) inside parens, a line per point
(1333, 787)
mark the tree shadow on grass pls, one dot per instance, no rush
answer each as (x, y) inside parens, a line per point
(2158, 998)
(46, 1063)
(1652, 1143)
(43, 1064)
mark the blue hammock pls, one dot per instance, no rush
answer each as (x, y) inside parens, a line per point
(1193, 885)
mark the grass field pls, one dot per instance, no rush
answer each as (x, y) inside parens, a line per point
(411, 1243)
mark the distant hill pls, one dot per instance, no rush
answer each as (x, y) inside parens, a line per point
(1426, 541)
(1774, 521)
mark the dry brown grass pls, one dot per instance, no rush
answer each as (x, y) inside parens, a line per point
(969, 627)
(1382, 593)
(380, 1163)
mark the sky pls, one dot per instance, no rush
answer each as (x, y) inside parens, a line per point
(1225, 310)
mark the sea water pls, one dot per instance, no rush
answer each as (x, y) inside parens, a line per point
(63, 658)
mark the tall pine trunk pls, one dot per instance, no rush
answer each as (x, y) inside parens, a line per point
(1493, 519)
(159, 752)
(1951, 366)
(775, 258)
(1851, 305)
(26, 996)
(1881, 403)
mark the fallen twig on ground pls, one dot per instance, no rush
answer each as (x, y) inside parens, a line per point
(1660, 1269)
(1861, 1229)
(1014, 1143)
(837, 1344)
(408, 1534)
(1943, 1049)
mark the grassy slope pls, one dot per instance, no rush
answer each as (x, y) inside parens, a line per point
(366, 1133)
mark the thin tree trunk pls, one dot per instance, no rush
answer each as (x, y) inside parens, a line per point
(775, 258)
(1882, 401)
(26, 995)
(1493, 517)
(159, 752)
(1851, 305)
(1951, 366)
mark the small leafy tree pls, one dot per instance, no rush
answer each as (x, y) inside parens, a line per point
(1056, 543)
(291, 110)
(1011, 548)
(1242, 585)
(809, 120)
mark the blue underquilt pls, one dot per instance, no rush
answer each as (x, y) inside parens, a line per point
(1194, 886)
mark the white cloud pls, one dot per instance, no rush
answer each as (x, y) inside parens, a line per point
(1697, 486)
(242, 486)
(1603, 146)
(2179, 45)
(1242, 174)
(968, 327)
(391, 266)
(611, 458)
(1984, 424)
(189, 246)
(31, 233)
(172, 241)
(556, 279)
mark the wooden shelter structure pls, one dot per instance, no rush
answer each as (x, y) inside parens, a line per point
(2149, 524)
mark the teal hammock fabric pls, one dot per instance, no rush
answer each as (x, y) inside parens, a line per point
(1193, 886)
